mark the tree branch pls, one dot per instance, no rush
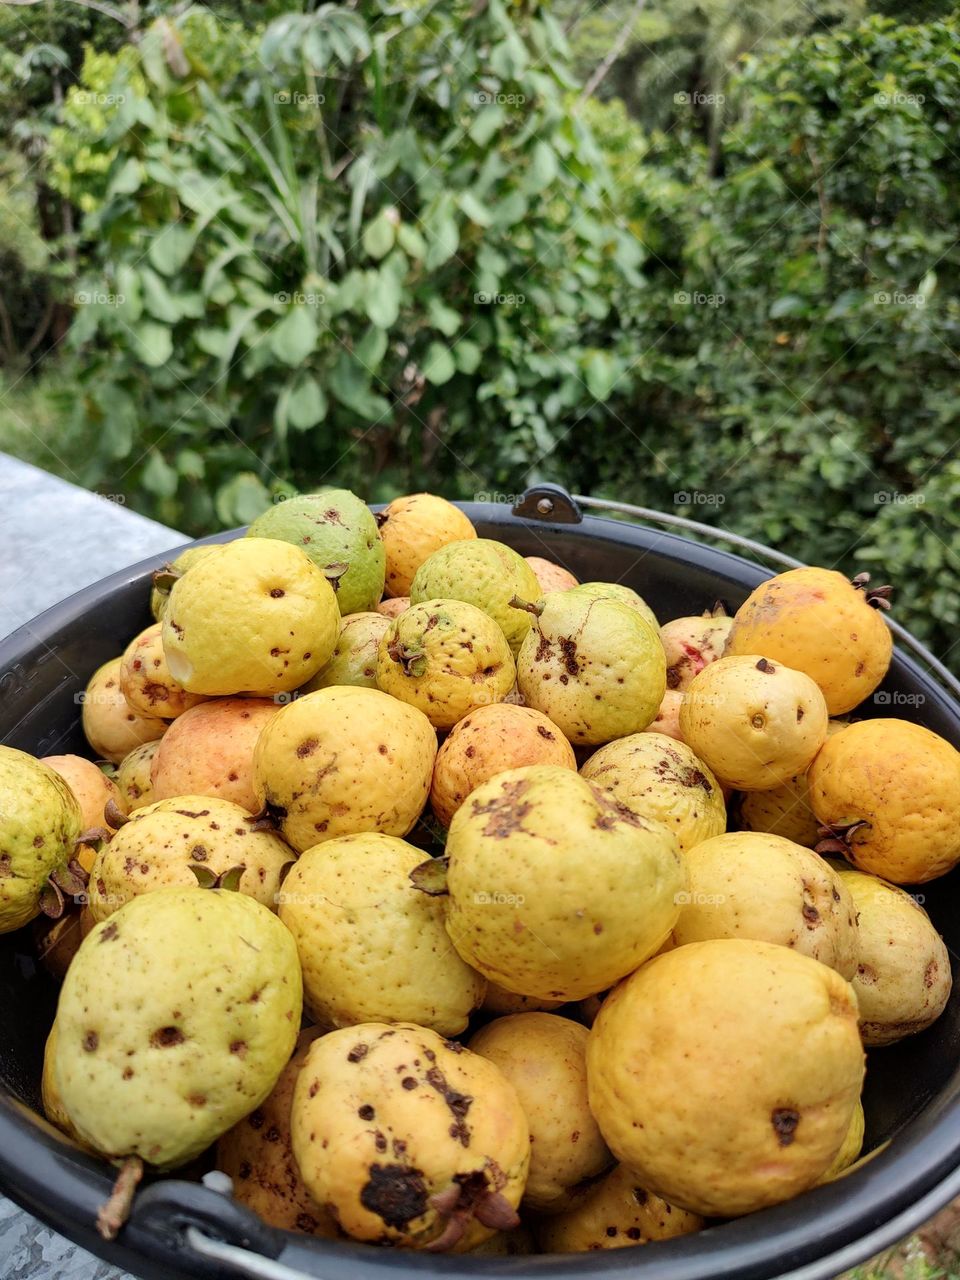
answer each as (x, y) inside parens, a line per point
(107, 10)
(614, 52)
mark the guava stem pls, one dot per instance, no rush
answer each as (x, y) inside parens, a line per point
(114, 1212)
(534, 607)
(114, 815)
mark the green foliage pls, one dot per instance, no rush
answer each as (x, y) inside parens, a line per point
(362, 245)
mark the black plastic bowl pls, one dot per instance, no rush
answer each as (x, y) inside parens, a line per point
(913, 1088)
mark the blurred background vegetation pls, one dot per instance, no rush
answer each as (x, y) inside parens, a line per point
(697, 254)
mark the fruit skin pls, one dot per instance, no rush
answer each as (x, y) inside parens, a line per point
(903, 783)
(385, 1118)
(39, 824)
(52, 1103)
(692, 644)
(816, 621)
(157, 846)
(498, 1000)
(750, 885)
(110, 724)
(91, 787)
(256, 1153)
(133, 776)
(192, 1039)
(488, 741)
(412, 528)
(615, 1214)
(145, 679)
(623, 594)
(654, 775)
(527, 829)
(544, 1057)
(711, 1140)
(785, 810)
(344, 760)
(354, 659)
(393, 607)
(593, 666)
(756, 723)
(483, 573)
(445, 657)
(903, 980)
(551, 576)
(193, 555)
(667, 719)
(852, 1146)
(258, 618)
(208, 751)
(335, 528)
(372, 947)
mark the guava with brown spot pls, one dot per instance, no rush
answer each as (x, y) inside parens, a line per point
(488, 741)
(344, 760)
(145, 678)
(903, 979)
(535, 915)
(110, 724)
(354, 659)
(819, 622)
(409, 1139)
(372, 946)
(208, 751)
(412, 528)
(593, 666)
(498, 1001)
(183, 841)
(445, 657)
(258, 1156)
(887, 793)
(40, 822)
(550, 575)
(164, 578)
(756, 723)
(135, 776)
(544, 1058)
(752, 885)
(615, 1213)
(662, 779)
(147, 1066)
(725, 1073)
(393, 606)
(691, 644)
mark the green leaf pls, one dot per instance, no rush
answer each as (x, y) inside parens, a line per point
(443, 317)
(157, 298)
(438, 366)
(169, 251)
(467, 355)
(350, 383)
(295, 336)
(306, 404)
(543, 168)
(410, 240)
(600, 370)
(475, 209)
(242, 499)
(126, 179)
(158, 476)
(153, 343)
(371, 348)
(380, 235)
(382, 300)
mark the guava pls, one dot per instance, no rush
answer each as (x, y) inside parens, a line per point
(409, 1139)
(615, 1213)
(133, 776)
(40, 822)
(488, 741)
(531, 911)
(725, 1073)
(756, 723)
(354, 660)
(344, 760)
(784, 810)
(623, 594)
(544, 1057)
(551, 576)
(145, 679)
(164, 578)
(258, 618)
(888, 791)
(692, 644)
(373, 948)
(339, 533)
(660, 778)
(91, 786)
(193, 1033)
(412, 528)
(393, 606)
(592, 665)
(445, 657)
(486, 574)
(110, 724)
(819, 622)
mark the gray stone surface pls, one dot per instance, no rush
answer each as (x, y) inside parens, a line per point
(54, 539)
